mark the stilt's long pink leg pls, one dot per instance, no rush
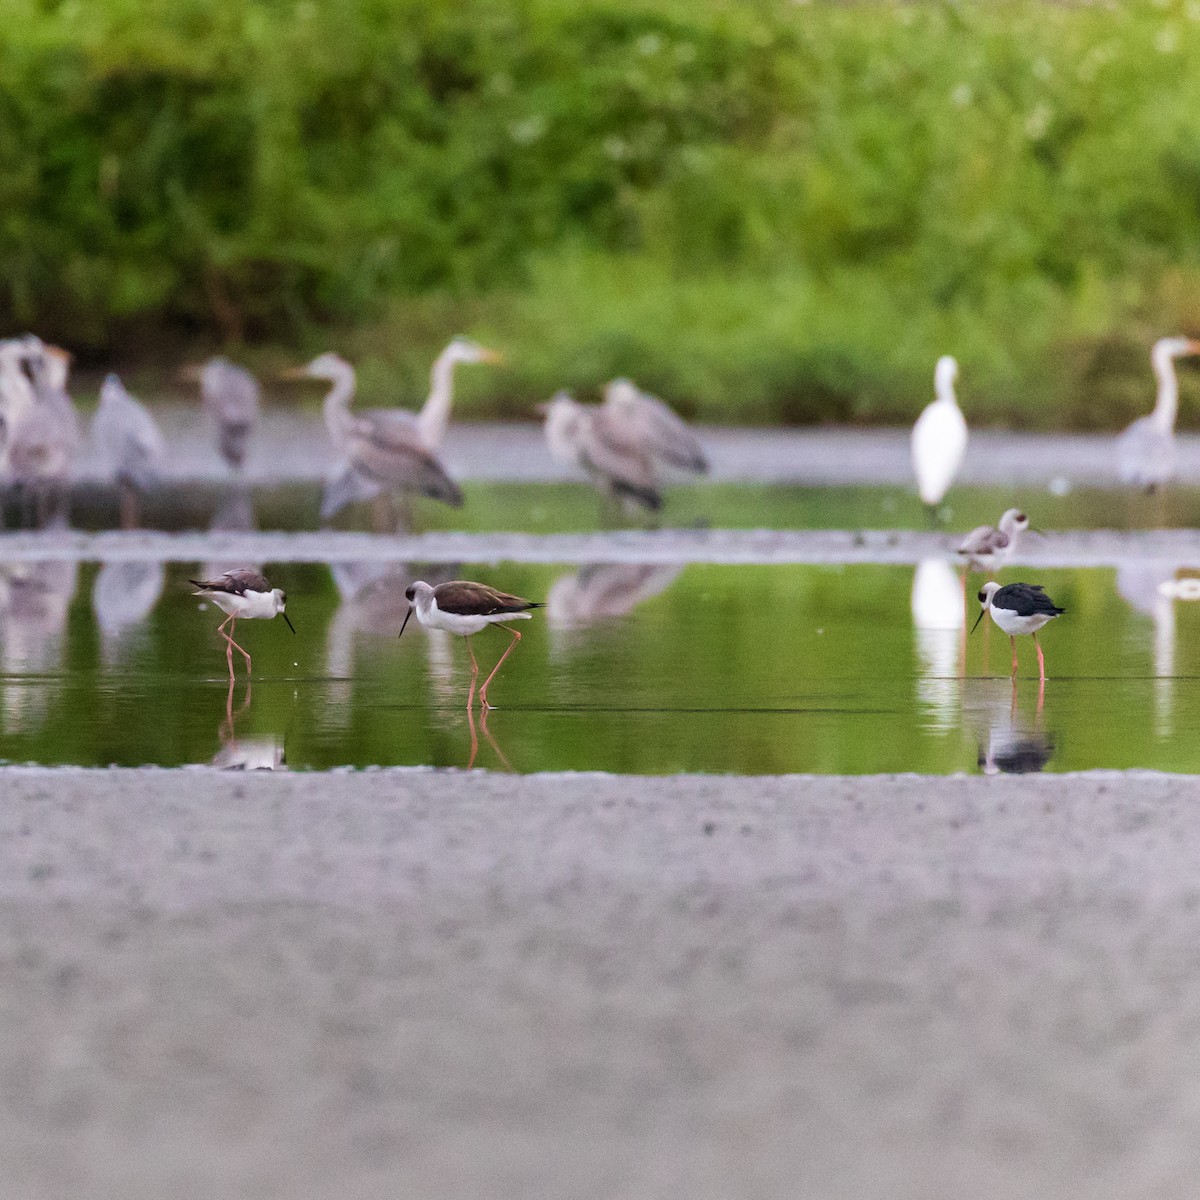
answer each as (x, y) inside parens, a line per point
(232, 623)
(228, 648)
(1041, 659)
(1014, 649)
(516, 637)
(474, 676)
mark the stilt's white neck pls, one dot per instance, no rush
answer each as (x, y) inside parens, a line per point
(435, 412)
(1166, 405)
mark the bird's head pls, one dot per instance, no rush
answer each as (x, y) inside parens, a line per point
(467, 350)
(280, 598)
(985, 600)
(945, 374)
(328, 366)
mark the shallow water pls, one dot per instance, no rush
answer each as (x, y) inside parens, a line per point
(628, 669)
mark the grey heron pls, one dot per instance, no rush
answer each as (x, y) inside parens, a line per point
(645, 421)
(381, 449)
(1146, 449)
(128, 438)
(587, 437)
(231, 396)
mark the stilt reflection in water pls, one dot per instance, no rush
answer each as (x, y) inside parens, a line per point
(1011, 742)
(262, 752)
(487, 733)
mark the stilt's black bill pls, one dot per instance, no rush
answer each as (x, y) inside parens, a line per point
(289, 621)
(978, 619)
(406, 616)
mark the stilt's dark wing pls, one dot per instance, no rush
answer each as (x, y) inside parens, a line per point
(1027, 599)
(237, 582)
(466, 599)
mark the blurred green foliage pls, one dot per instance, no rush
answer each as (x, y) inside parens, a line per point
(769, 209)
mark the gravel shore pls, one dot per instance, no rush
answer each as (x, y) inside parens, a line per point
(437, 984)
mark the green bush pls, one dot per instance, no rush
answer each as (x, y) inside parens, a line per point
(766, 210)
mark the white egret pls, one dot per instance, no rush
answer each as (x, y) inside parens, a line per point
(128, 438)
(939, 438)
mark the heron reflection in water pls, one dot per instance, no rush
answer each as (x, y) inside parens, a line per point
(123, 596)
(35, 600)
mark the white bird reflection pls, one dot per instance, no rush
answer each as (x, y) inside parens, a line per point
(373, 604)
(939, 625)
(35, 598)
(1150, 588)
(123, 596)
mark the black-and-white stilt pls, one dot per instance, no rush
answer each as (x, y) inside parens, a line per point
(242, 593)
(1018, 608)
(988, 547)
(465, 608)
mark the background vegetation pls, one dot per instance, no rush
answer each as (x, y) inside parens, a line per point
(764, 210)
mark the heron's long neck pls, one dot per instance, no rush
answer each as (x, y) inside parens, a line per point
(337, 403)
(1166, 406)
(435, 412)
(943, 389)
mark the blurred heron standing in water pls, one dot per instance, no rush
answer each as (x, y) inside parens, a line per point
(232, 398)
(128, 438)
(1146, 449)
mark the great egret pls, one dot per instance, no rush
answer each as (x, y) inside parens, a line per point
(1146, 449)
(939, 438)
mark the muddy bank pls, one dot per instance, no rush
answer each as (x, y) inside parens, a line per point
(444, 985)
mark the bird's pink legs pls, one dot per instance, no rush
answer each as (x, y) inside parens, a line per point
(516, 637)
(1014, 650)
(474, 676)
(232, 645)
(1041, 660)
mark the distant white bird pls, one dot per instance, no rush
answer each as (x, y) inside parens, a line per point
(587, 437)
(129, 440)
(657, 429)
(988, 547)
(1146, 450)
(383, 450)
(939, 438)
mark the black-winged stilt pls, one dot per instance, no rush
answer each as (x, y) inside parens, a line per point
(1018, 608)
(465, 608)
(242, 593)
